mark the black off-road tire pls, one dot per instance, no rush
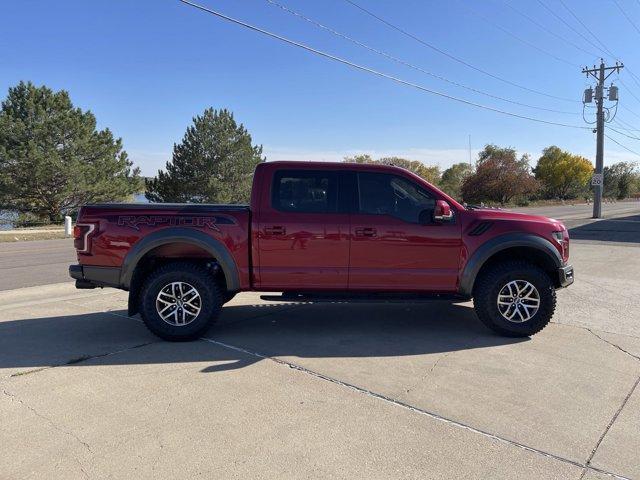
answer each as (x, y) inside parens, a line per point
(488, 286)
(211, 300)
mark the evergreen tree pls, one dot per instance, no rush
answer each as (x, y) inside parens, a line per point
(52, 158)
(214, 163)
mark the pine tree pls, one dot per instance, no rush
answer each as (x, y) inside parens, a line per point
(52, 158)
(214, 163)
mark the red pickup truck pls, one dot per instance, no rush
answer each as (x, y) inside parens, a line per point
(318, 230)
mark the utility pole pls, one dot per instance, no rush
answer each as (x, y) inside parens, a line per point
(600, 74)
(470, 162)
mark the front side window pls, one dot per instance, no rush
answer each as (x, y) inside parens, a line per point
(304, 191)
(384, 194)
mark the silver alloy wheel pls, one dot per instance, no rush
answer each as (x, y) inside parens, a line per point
(178, 303)
(518, 301)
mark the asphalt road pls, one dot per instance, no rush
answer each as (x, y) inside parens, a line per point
(583, 211)
(38, 262)
(26, 264)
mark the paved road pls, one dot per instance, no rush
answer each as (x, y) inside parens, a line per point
(38, 262)
(584, 211)
(26, 264)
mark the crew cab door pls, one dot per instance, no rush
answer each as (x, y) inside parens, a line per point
(395, 244)
(303, 234)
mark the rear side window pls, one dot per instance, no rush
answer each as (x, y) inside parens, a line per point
(384, 194)
(305, 191)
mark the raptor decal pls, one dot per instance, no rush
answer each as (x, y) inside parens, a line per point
(136, 221)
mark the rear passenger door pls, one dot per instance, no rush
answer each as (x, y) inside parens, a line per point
(303, 232)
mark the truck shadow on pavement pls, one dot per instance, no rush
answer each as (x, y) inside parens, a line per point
(323, 330)
(623, 230)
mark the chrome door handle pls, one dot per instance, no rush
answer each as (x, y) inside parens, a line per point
(275, 230)
(366, 232)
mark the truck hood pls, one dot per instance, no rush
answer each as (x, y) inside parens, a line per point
(499, 214)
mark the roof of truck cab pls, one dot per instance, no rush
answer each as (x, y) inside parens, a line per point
(332, 165)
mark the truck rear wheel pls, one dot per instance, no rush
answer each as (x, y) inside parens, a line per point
(515, 298)
(180, 301)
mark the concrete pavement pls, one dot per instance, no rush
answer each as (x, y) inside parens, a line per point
(325, 390)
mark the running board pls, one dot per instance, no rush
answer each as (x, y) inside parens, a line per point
(360, 297)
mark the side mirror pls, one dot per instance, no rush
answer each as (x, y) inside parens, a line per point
(442, 212)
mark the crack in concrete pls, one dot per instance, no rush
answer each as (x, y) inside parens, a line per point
(612, 344)
(56, 427)
(428, 372)
(613, 419)
(84, 472)
(581, 327)
(418, 410)
(80, 359)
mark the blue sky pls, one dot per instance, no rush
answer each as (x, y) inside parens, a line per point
(145, 68)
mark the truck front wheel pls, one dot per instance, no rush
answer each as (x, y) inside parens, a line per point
(180, 301)
(514, 298)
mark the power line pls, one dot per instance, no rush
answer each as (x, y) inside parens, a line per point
(550, 32)
(621, 145)
(587, 29)
(520, 39)
(609, 52)
(630, 111)
(626, 129)
(453, 57)
(615, 57)
(627, 124)
(571, 27)
(626, 16)
(634, 77)
(628, 89)
(624, 134)
(370, 70)
(407, 64)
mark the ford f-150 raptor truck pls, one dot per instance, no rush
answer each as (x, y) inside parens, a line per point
(324, 229)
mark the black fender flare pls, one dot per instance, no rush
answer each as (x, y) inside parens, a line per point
(496, 245)
(166, 236)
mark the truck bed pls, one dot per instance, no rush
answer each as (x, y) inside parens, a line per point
(123, 231)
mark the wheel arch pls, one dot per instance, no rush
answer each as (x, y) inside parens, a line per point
(535, 249)
(131, 277)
